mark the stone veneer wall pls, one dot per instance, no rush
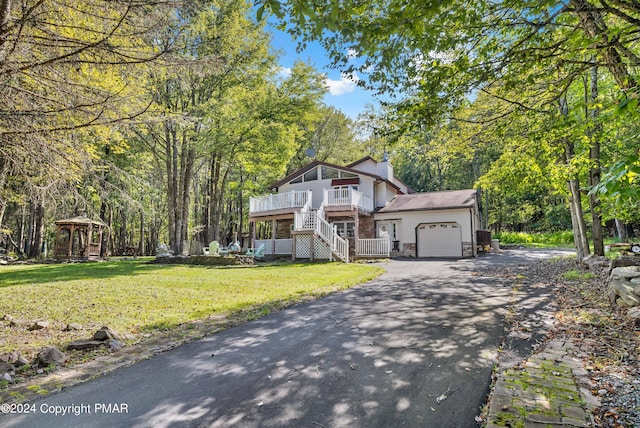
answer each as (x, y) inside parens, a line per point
(467, 249)
(283, 229)
(367, 227)
(409, 250)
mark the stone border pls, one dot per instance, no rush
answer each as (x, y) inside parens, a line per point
(550, 390)
(68, 376)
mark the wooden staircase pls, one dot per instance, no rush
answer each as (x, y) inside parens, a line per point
(325, 231)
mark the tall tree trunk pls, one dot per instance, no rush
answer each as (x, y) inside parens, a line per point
(122, 236)
(594, 25)
(5, 13)
(104, 245)
(594, 170)
(579, 227)
(622, 230)
(36, 229)
(141, 245)
(172, 186)
(214, 198)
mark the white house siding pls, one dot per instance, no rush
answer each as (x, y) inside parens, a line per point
(317, 188)
(369, 166)
(384, 194)
(412, 219)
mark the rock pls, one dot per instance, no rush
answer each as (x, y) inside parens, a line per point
(17, 323)
(622, 262)
(10, 357)
(634, 313)
(73, 327)
(627, 272)
(593, 262)
(21, 361)
(14, 356)
(116, 344)
(84, 345)
(40, 325)
(105, 333)
(7, 317)
(621, 287)
(51, 355)
(6, 368)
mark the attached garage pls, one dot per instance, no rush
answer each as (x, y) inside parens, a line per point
(439, 240)
(435, 224)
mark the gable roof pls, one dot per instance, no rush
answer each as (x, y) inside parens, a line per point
(315, 163)
(449, 199)
(395, 180)
(359, 161)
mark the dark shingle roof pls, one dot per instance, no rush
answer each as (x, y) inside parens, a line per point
(432, 201)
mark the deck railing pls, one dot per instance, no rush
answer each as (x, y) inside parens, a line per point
(350, 197)
(283, 247)
(326, 231)
(377, 247)
(279, 201)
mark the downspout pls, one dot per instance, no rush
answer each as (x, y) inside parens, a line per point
(473, 245)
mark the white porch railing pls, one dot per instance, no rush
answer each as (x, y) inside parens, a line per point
(350, 197)
(377, 247)
(283, 247)
(326, 231)
(280, 201)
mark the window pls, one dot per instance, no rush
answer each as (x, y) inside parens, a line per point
(329, 173)
(346, 229)
(311, 175)
(332, 173)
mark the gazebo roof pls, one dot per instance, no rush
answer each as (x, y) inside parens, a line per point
(79, 220)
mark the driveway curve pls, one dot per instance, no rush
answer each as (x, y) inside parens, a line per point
(414, 347)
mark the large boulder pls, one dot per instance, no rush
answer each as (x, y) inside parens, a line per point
(105, 333)
(624, 286)
(51, 355)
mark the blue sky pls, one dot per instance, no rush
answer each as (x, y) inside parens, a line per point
(343, 92)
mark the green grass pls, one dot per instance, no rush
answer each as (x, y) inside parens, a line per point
(551, 239)
(133, 297)
(575, 275)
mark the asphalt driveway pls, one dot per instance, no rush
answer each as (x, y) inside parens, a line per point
(414, 348)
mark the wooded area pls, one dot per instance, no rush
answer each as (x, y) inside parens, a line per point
(161, 118)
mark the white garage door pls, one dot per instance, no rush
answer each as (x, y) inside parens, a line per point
(439, 240)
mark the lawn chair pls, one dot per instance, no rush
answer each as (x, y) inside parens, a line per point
(257, 253)
(212, 250)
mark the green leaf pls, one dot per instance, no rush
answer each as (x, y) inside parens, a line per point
(260, 13)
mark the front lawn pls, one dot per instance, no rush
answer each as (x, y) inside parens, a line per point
(134, 298)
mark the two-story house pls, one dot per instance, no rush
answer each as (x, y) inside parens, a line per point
(326, 211)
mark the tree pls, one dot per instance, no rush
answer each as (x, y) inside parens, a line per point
(66, 75)
(440, 53)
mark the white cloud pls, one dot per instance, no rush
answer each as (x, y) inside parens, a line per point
(284, 72)
(345, 85)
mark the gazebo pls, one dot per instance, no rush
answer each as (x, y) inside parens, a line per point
(78, 238)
